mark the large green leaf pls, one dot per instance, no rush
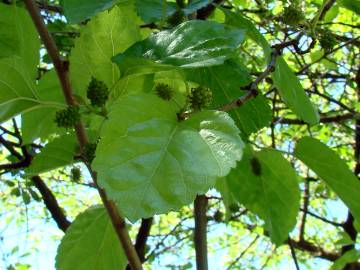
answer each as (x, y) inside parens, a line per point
(353, 5)
(57, 153)
(191, 44)
(39, 123)
(106, 35)
(266, 183)
(79, 10)
(225, 82)
(19, 37)
(292, 92)
(17, 91)
(90, 243)
(333, 170)
(150, 163)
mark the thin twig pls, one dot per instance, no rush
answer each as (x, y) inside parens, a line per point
(243, 253)
(61, 68)
(293, 254)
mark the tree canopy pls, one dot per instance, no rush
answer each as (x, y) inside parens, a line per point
(199, 134)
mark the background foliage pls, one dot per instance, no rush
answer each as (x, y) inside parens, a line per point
(253, 103)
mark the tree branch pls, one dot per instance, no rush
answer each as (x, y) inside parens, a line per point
(61, 68)
(141, 238)
(200, 233)
(315, 250)
(325, 119)
(253, 91)
(51, 203)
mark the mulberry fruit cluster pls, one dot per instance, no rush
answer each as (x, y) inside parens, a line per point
(164, 91)
(75, 174)
(327, 40)
(97, 92)
(89, 151)
(292, 15)
(200, 97)
(68, 117)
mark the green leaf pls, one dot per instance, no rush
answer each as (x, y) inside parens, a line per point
(19, 37)
(150, 163)
(78, 10)
(235, 19)
(349, 257)
(57, 153)
(332, 13)
(333, 170)
(90, 243)
(225, 82)
(106, 35)
(154, 10)
(266, 183)
(194, 5)
(39, 123)
(353, 5)
(17, 90)
(293, 93)
(191, 44)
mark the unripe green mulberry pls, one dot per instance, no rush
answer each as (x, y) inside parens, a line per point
(89, 151)
(68, 117)
(75, 174)
(97, 92)
(176, 18)
(292, 15)
(200, 97)
(218, 216)
(164, 91)
(327, 40)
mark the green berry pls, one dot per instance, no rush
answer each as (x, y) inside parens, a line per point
(75, 174)
(293, 15)
(200, 97)
(233, 207)
(89, 151)
(68, 117)
(97, 92)
(164, 91)
(327, 40)
(176, 18)
(218, 216)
